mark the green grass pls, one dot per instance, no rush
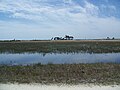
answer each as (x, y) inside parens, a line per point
(62, 73)
(60, 46)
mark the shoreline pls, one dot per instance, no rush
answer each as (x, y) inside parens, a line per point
(56, 87)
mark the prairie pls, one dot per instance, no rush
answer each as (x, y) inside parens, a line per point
(61, 46)
(97, 73)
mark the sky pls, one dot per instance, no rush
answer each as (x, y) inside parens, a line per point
(44, 19)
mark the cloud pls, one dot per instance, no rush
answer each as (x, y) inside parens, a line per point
(60, 17)
(68, 1)
(39, 10)
(91, 9)
(109, 8)
(29, 9)
(44, 11)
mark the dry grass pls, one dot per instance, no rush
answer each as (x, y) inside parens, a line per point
(62, 73)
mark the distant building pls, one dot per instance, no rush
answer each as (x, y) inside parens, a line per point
(67, 37)
(58, 38)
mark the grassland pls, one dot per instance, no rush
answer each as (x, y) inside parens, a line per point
(61, 73)
(89, 46)
(106, 74)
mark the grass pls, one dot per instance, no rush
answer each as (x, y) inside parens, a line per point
(62, 73)
(108, 73)
(60, 46)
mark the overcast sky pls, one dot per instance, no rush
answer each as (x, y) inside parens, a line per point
(43, 19)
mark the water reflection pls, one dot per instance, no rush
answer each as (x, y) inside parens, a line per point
(59, 58)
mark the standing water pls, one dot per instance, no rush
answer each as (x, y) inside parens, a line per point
(59, 58)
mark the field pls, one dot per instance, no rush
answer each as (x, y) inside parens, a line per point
(89, 46)
(99, 73)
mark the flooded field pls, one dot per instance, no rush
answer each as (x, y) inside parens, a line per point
(56, 62)
(58, 58)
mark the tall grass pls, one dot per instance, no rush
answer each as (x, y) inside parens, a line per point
(61, 47)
